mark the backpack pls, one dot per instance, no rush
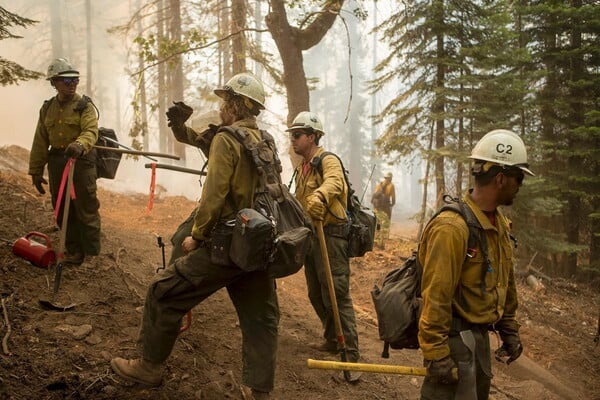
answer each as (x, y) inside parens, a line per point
(363, 222)
(274, 234)
(398, 302)
(107, 162)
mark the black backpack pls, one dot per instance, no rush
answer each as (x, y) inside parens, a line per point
(363, 222)
(398, 302)
(274, 234)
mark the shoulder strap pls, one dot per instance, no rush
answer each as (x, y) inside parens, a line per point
(45, 108)
(317, 163)
(476, 232)
(82, 104)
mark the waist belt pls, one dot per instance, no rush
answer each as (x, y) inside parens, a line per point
(337, 230)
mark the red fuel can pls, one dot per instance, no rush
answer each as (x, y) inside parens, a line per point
(37, 253)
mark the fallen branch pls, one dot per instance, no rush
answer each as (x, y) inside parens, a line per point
(8, 329)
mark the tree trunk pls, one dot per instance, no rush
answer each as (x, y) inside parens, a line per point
(56, 29)
(162, 89)
(88, 37)
(176, 86)
(238, 45)
(439, 102)
(423, 216)
(224, 45)
(142, 109)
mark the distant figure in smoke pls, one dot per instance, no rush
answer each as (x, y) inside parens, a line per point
(230, 185)
(68, 128)
(383, 200)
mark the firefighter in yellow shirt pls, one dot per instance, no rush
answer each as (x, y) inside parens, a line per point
(384, 198)
(230, 184)
(68, 128)
(466, 293)
(324, 197)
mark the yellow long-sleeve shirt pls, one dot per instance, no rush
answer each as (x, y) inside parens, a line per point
(58, 126)
(332, 186)
(451, 283)
(231, 180)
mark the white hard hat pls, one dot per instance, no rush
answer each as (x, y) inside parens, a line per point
(61, 67)
(307, 120)
(502, 147)
(244, 84)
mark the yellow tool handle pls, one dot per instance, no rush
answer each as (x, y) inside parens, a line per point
(378, 368)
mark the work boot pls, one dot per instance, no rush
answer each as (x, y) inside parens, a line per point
(138, 370)
(327, 346)
(74, 258)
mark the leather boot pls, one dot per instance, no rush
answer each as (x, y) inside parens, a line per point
(138, 370)
(74, 258)
(326, 346)
(253, 394)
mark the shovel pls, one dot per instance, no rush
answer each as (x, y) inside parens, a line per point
(51, 304)
(331, 289)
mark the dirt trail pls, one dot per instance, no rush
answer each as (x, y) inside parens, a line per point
(65, 355)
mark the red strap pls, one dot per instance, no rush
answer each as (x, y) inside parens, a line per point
(65, 176)
(152, 187)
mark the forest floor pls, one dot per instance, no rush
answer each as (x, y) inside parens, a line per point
(65, 355)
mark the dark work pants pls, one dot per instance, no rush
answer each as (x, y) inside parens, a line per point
(460, 352)
(83, 224)
(318, 294)
(191, 279)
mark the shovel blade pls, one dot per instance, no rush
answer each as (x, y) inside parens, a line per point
(50, 305)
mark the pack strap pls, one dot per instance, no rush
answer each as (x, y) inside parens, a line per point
(317, 163)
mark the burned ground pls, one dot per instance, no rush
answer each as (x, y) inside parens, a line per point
(66, 355)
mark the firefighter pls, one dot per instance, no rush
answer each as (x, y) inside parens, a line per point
(464, 296)
(68, 128)
(230, 184)
(384, 198)
(324, 197)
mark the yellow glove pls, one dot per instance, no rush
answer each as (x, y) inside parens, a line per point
(315, 207)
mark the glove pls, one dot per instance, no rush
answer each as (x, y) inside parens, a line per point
(37, 181)
(315, 207)
(178, 113)
(511, 348)
(442, 371)
(74, 150)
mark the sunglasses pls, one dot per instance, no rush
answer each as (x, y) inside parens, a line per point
(515, 173)
(68, 81)
(297, 134)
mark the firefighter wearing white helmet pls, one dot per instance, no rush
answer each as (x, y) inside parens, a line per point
(246, 85)
(322, 191)
(61, 67)
(502, 147)
(467, 288)
(67, 128)
(307, 120)
(196, 270)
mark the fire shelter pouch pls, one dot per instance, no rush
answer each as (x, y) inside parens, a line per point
(220, 243)
(252, 240)
(291, 247)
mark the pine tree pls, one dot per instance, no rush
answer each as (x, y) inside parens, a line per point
(10, 72)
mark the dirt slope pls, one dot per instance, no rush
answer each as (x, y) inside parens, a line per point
(65, 355)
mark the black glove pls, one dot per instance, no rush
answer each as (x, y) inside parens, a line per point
(442, 371)
(511, 348)
(74, 150)
(37, 181)
(178, 114)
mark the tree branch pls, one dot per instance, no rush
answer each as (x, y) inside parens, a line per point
(312, 34)
(191, 49)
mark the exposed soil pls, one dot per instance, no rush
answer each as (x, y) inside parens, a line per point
(65, 355)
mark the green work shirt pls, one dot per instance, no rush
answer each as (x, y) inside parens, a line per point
(332, 186)
(231, 180)
(58, 126)
(451, 284)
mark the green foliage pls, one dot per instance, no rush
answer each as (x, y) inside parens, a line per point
(10, 72)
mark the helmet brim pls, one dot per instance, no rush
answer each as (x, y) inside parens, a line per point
(66, 74)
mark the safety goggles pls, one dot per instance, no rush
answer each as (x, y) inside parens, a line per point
(68, 81)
